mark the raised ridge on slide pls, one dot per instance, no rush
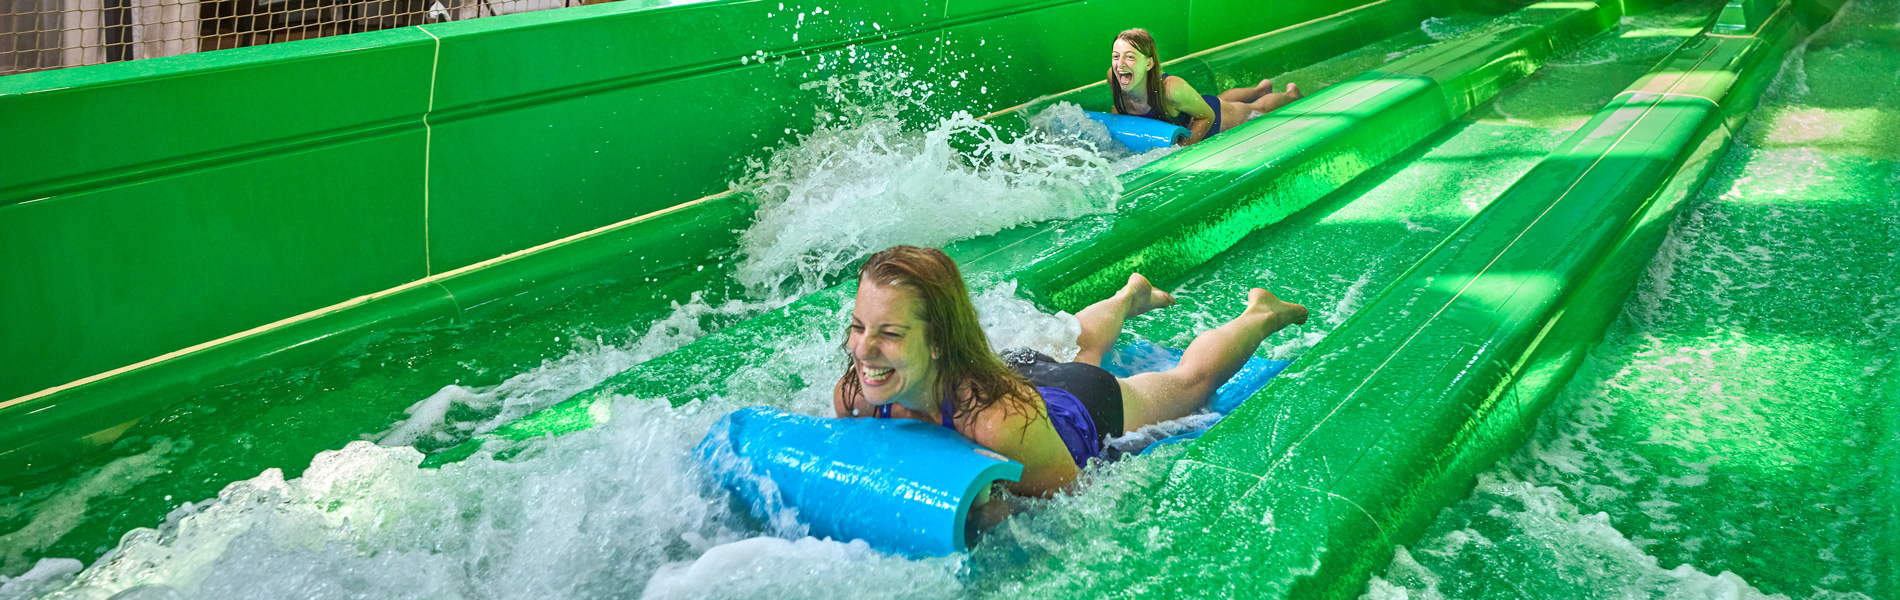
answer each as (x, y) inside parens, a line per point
(1303, 491)
(243, 229)
(1197, 201)
(414, 220)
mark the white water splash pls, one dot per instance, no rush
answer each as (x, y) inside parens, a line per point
(1574, 553)
(864, 181)
(768, 567)
(1013, 322)
(621, 510)
(456, 412)
(62, 508)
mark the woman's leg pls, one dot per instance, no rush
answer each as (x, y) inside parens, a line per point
(1248, 94)
(1234, 112)
(1270, 102)
(1102, 321)
(1209, 361)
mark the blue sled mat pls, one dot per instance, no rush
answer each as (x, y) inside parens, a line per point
(901, 485)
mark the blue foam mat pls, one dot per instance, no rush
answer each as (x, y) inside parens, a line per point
(1140, 134)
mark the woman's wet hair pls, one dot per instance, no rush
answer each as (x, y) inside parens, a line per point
(952, 331)
(1145, 44)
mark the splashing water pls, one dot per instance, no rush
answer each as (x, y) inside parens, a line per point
(1737, 418)
(621, 510)
(864, 181)
(1538, 526)
(456, 413)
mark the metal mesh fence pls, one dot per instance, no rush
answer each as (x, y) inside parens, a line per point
(36, 35)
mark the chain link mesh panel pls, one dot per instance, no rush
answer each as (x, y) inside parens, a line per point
(36, 35)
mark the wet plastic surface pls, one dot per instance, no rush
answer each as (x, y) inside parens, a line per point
(902, 485)
(1389, 418)
(1139, 134)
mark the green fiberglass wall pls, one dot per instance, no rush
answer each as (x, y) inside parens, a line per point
(1306, 488)
(174, 204)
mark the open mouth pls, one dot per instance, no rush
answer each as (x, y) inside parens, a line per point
(1125, 78)
(874, 377)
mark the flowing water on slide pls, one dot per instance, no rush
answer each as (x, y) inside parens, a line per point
(1734, 434)
(621, 510)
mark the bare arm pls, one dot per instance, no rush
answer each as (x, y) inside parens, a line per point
(1047, 466)
(1185, 99)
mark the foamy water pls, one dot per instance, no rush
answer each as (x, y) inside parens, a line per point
(457, 413)
(864, 180)
(621, 510)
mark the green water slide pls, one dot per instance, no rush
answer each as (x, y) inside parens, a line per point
(1303, 491)
(1732, 425)
(1305, 488)
(203, 288)
(1176, 212)
(282, 202)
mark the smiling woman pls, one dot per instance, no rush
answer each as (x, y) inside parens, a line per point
(916, 351)
(1142, 90)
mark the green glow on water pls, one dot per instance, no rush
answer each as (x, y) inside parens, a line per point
(1726, 425)
(1675, 32)
(1735, 430)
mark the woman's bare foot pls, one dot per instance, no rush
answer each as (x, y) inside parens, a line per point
(1278, 313)
(1265, 87)
(1142, 296)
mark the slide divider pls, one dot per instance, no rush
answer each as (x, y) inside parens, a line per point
(1180, 211)
(1304, 490)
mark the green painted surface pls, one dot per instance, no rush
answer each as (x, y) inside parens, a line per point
(1373, 226)
(455, 154)
(518, 150)
(1736, 425)
(1175, 212)
(87, 418)
(1388, 419)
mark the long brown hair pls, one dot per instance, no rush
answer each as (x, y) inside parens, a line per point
(1145, 44)
(970, 377)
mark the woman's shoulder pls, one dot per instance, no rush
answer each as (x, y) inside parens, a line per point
(1175, 86)
(1015, 410)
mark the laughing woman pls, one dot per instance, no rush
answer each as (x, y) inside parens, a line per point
(1141, 89)
(916, 351)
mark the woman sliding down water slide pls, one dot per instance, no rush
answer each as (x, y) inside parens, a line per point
(917, 352)
(1135, 78)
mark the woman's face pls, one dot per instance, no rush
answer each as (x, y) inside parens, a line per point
(894, 361)
(1131, 68)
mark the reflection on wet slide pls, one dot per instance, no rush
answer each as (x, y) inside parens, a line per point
(1734, 433)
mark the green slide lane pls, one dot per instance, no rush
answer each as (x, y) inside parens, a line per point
(1176, 212)
(314, 393)
(1340, 253)
(1473, 208)
(460, 174)
(1738, 421)
(1305, 489)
